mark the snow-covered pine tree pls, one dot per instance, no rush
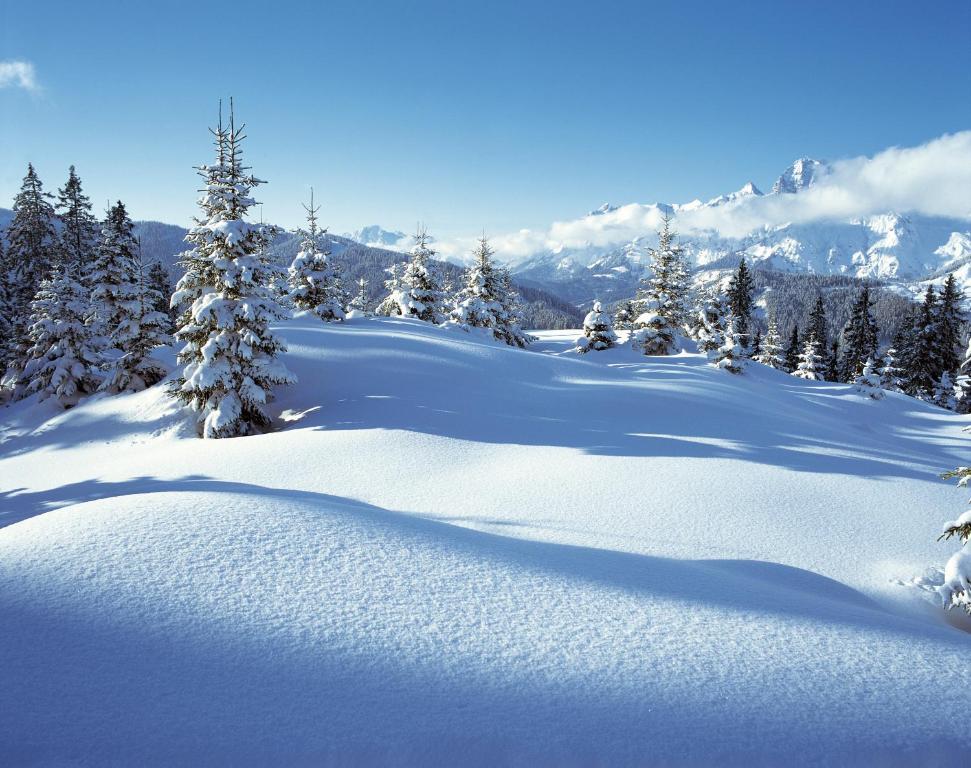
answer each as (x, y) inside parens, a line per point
(889, 372)
(598, 331)
(62, 361)
(771, 353)
(160, 287)
(948, 323)
(921, 357)
(811, 365)
(817, 329)
(662, 298)
(833, 361)
(756, 348)
(625, 315)
(141, 329)
(79, 230)
(314, 285)
(868, 382)
(360, 300)
(389, 305)
(859, 337)
(230, 353)
(956, 589)
(421, 295)
(740, 291)
(30, 254)
(730, 356)
(487, 300)
(793, 350)
(962, 386)
(943, 394)
(711, 322)
(113, 269)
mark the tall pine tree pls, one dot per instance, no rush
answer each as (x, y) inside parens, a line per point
(771, 353)
(314, 283)
(662, 298)
(859, 337)
(113, 270)
(740, 291)
(79, 228)
(230, 353)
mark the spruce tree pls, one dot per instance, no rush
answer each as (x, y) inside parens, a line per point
(833, 361)
(889, 371)
(160, 287)
(113, 270)
(793, 351)
(598, 331)
(869, 382)
(756, 349)
(487, 300)
(771, 352)
(711, 322)
(360, 301)
(956, 589)
(314, 285)
(730, 356)
(663, 297)
(943, 394)
(62, 361)
(817, 328)
(141, 329)
(740, 291)
(31, 242)
(389, 305)
(811, 365)
(625, 315)
(79, 230)
(859, 337)
(921, 362)
(230, 353)
(421, 295)
(949, 321)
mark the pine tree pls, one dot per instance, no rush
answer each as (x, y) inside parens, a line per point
(141, 329)
(817, 329)
(487, 300)
(756, 343)
(956, 589)
(314, 285)
(598, 331)
(771, 353)
(730, 356)
(113, 269)
(389, 305)
(810, 365)
(711, 322)
(160, 287)
(360, 301)
(949, 321)
(943, 394)
(740, 291)
(869, 381)
(230, 353)
(421, 295)
(625, 315)
(79, 231)
(921, 360)
(859, 337)
(62, 360)
(889, 372)
(662, 298)
(793, 351)
(833, 361)
(30, 255)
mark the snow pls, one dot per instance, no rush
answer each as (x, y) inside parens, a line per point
(455, 551)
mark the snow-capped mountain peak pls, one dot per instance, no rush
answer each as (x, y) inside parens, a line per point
(802, 174)
(376, 236)
(749, 190)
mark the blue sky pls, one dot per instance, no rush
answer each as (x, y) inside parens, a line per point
(467, 116)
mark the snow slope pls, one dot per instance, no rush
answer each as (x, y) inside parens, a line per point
(455, 552)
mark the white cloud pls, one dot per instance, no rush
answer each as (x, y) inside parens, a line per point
(18, 74)
(932, 179)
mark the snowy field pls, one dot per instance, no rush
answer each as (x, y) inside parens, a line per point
(455, 552)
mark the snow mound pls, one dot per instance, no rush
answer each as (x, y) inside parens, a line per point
(455, 551)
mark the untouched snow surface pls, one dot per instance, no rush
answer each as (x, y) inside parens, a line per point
(456, 552)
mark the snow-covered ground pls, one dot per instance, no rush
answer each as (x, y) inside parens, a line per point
(460, 553)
